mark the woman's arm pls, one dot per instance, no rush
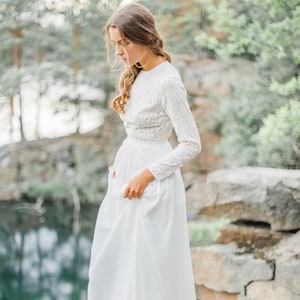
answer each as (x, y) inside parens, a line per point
(175, 104)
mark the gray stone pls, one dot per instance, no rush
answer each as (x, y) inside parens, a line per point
(286, 254)
(251, 237)
(288, 275)
(288, 249)
(204, 293)
(223, 269)
(269, 291)
(257, 194)
(206, 77)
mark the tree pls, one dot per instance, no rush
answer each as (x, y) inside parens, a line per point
(53, 44)
(14, 18)
(268, 33)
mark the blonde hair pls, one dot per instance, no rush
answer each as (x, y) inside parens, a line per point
(135, 23)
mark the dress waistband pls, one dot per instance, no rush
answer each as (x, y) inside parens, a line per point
(144, 142)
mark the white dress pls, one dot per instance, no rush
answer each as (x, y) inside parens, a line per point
(141, 247)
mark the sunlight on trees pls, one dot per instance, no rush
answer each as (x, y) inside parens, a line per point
(268, 33)
(55, 45)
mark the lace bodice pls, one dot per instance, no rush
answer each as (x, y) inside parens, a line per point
(157, 104)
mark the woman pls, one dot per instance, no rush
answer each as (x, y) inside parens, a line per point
(141, 247)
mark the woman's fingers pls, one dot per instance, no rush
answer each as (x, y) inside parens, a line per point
(137, 185)
(132, 193)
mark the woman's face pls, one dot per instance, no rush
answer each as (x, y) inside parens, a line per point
(129, 52)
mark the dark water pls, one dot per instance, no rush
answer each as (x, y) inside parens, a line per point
(43, 253)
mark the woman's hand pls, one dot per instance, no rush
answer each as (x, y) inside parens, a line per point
(137, 186)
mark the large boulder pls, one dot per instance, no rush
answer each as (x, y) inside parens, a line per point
(223, 269)
(269, 290)
(265, 195)
(287, 257)
(249, 236)
(204, 293)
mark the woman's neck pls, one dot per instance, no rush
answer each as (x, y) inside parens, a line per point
(151, 62)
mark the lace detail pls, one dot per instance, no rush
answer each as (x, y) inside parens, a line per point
(157, 104)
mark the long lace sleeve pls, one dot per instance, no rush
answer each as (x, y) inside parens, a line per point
(175, 105)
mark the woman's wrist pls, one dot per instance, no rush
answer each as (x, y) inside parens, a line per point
(148, 174)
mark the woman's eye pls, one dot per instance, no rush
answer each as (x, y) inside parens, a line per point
(124, 43)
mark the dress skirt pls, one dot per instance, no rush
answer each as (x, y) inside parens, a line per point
(141, 247)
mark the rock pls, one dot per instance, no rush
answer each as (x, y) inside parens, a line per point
(288, 249)
(204, 293)
(208, 161)
(269, 291)
(288, 275)
(210, 77)
(41, 165)
(257, 194)
(206, 77)
(250, 236)
(286, 254)
(223, 269)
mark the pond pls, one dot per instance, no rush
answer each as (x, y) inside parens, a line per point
(45, 249)
(41, 257)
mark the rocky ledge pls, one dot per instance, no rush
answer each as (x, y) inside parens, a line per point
(257, 256)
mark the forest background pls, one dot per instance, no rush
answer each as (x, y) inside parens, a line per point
(55, 81)
(53, 55)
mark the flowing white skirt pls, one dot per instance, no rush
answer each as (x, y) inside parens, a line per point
(141, 247)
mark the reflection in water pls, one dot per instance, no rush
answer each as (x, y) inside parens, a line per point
(40, 257)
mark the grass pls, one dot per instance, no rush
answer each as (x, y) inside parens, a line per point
(205, 232)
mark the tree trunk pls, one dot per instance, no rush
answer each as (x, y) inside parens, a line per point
(11, 117)
(17, 49)
(21, 123)
(39, 93)
(17, 53)
(76, 66)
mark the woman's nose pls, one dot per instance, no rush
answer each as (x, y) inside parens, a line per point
(119, 50)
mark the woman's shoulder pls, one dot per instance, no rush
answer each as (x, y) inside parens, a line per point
(163, 70)
(170, 76)
(163, 77)
(165, 74)
(169, 70)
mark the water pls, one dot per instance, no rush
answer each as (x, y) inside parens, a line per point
(43, 258)
(40, 255)
(55, 118)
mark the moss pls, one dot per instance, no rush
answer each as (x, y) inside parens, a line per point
(55, 190)
(205, 232)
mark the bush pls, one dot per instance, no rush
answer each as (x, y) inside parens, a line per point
(279, 137)
(58, 190)
(268, 33)
(205, 232)
(240, 118)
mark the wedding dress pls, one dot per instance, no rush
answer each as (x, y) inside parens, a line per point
(141, 247)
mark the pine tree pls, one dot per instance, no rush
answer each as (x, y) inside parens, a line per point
(14, 18)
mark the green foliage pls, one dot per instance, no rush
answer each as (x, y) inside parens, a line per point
(240, 118)
(86, 174)
(52, 44)
(268, 33)
(205, 232)
(285, 121)
(91, 179)
(279, 137)
(57, 190)
(179, 22)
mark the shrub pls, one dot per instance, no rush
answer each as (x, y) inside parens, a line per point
(279, 137)
(268, 33)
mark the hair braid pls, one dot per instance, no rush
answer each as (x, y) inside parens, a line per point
(125, 83)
